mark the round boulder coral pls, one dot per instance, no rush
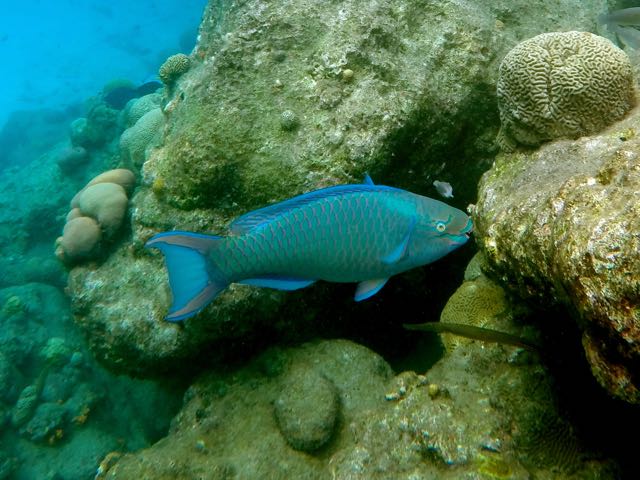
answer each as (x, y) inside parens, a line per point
(307, 409)
(562, 85)
(80, 240)
(73, 213)
(120, 176)
(99, 208)
(107, 203)
(173, 67)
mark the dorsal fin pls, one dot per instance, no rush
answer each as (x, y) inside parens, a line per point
(251, 220)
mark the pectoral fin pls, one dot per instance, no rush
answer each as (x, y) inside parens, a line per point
(400, 251)
(369, 288)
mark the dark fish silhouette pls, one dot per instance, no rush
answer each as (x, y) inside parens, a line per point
(475, 333)
(118, 97)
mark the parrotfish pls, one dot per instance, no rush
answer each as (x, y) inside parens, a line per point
(361, 233)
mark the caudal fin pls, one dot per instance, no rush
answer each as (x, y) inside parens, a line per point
(192, 281)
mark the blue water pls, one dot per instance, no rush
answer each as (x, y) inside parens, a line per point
(57, 56)
(58, 53)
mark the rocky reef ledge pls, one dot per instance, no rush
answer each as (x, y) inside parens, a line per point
(561, 224)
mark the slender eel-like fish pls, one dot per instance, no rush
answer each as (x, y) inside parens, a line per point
(348, 233)
(476, 333)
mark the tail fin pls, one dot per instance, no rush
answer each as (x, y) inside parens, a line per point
(192, 281)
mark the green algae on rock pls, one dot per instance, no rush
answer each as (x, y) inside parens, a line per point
(560, 226)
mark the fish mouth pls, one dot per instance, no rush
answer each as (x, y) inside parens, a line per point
(459, 239)
(468, 228)
(464, 234)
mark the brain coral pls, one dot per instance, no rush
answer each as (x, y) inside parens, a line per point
(562, 85)
(173, 67)
(479, 302)
(140, 106)
(145, 133)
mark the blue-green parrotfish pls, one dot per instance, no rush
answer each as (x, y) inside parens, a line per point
(361, 233)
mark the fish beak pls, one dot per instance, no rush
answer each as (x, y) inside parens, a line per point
(468, 228)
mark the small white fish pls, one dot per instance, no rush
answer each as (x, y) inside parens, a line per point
(443, 188)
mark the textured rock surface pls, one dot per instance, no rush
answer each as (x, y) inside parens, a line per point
(402, 89)
(227, 426)
(560, 225)
(563, 85)
(60, 412)
(482, 412)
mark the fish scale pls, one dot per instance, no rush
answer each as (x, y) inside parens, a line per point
(324, 252)
(349, 233)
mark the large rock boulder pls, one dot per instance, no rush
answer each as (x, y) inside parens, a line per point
(561, 225)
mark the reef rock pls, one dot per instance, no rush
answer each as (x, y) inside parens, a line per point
(481, 412)
(561, 225)
(72, 160)
(286, 97)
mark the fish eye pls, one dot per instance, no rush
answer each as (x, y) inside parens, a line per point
(440, 227)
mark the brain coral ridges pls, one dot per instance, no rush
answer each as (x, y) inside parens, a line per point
(173, 68)
(562, 85)
(97, 213)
